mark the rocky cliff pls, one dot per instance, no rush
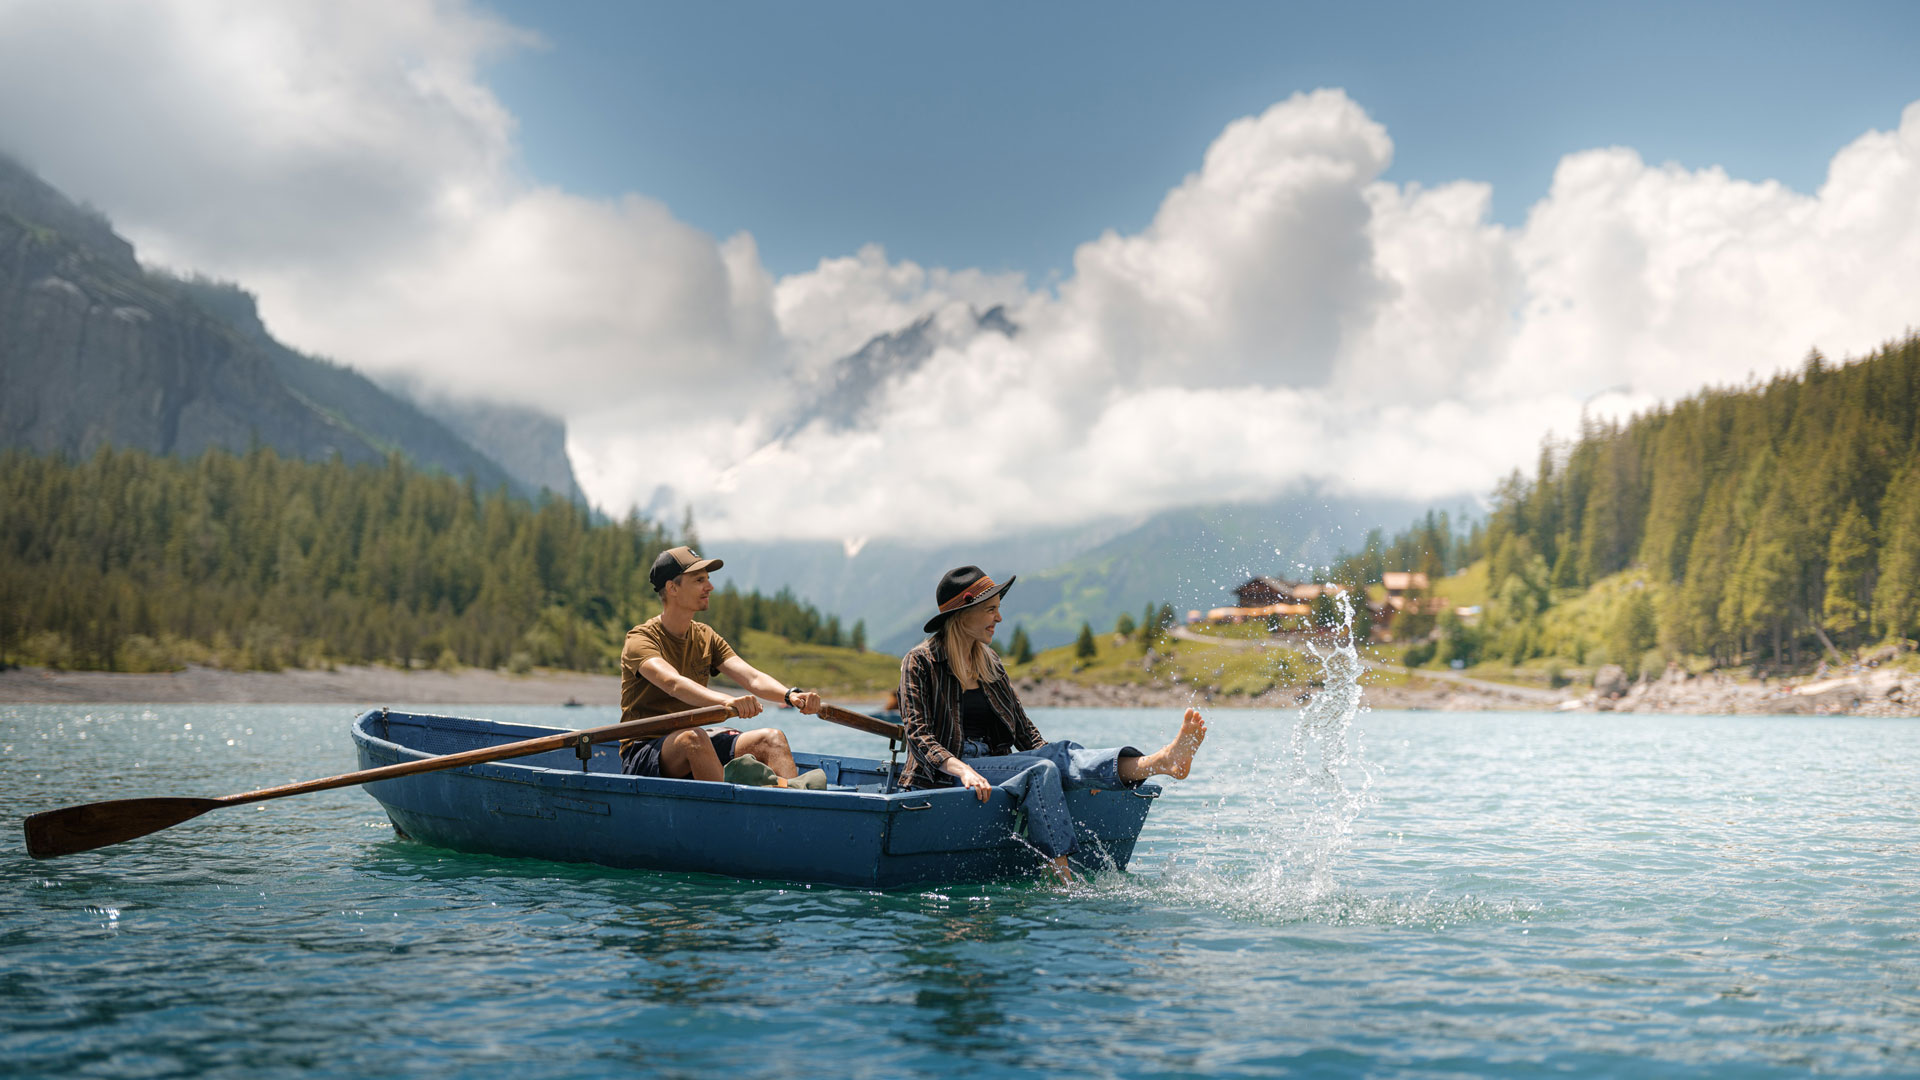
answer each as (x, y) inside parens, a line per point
(94, 350)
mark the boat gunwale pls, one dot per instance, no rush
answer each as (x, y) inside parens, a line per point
(515, 771)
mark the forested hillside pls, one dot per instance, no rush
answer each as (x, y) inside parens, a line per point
(134, 562)
(1768, 523)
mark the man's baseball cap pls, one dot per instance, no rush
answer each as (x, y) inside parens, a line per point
(676, 561)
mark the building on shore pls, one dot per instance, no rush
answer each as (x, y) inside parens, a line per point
(1272, 599)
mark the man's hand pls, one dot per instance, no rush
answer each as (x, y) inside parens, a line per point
(974, 782)
(746, 706)
(807, 702)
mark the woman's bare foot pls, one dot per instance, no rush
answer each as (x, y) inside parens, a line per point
(1177, 759)
(1174, 759)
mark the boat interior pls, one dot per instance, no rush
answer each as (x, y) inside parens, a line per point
(451, 735)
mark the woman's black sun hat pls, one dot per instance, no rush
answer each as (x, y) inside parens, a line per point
(962, 589)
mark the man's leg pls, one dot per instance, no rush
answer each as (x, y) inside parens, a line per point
(770, 746)
(688, 753)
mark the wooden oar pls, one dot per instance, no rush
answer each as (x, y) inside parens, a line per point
(95, 825)
(895, 734)
(860, 721)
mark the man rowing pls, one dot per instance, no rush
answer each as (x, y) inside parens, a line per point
(664, 668)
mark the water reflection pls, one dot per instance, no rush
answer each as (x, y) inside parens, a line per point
(957, 989)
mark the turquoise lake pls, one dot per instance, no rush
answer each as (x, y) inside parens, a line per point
(1463, 895)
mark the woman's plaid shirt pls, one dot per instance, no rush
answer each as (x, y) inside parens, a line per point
(930, 711)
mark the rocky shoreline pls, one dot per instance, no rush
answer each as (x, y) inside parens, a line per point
(1855, 692)
(1863, 693)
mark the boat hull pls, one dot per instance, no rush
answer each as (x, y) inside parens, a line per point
(856, 833)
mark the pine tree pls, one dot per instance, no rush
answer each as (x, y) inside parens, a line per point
(1631, 631)
(1896, 598)
(1022, 646)
(1849, 581)
(689, 536)
(1085, 648)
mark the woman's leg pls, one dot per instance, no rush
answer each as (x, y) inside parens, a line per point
(1174, 759)
(1035, 782)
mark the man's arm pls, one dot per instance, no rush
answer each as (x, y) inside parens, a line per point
(766, 686)
(661, 674)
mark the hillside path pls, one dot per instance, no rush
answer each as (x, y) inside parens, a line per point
(1529, 694)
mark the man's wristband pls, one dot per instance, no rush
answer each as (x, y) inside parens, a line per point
(789, 695)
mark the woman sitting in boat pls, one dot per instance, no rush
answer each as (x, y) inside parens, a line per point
(964, 725)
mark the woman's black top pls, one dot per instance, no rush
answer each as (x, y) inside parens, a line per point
(979, 721)
(930, 712)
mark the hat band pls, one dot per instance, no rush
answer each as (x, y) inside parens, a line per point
(983, 585)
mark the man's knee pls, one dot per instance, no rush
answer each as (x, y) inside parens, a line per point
(772, 738)
(687, 740)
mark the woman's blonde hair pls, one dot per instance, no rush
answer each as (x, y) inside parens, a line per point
(968, 659)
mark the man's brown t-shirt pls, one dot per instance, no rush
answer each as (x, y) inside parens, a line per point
(697, 656)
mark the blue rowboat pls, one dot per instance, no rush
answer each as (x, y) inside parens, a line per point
(858, 832)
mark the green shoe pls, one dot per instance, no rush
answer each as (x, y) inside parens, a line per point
(750, 771)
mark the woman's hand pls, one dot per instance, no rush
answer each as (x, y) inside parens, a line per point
(973, 781)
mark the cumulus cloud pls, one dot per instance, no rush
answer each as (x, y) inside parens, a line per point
(1256, 267)
(346, 162)
(1286, 316)
(1664, 278)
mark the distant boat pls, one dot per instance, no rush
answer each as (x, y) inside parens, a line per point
(859, 832)
(572, 703)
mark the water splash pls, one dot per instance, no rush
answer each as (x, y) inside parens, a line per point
(1328, 778)
(1289, 839)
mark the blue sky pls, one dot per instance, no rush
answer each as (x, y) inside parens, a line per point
(1247, 247)
(1000, 136)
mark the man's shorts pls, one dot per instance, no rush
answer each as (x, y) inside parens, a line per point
(642, 756)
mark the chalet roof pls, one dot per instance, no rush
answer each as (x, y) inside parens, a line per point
(1402, 580)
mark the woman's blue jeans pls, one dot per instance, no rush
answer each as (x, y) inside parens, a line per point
(1039, 779)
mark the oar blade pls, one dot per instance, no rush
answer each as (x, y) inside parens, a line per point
(72, 829)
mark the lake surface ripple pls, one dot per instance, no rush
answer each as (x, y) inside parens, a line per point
(1484, 895)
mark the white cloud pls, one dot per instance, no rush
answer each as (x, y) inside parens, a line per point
(1256, 267)
(235, 133)
(1286, 316)
(345, 161)
(1665, 278)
